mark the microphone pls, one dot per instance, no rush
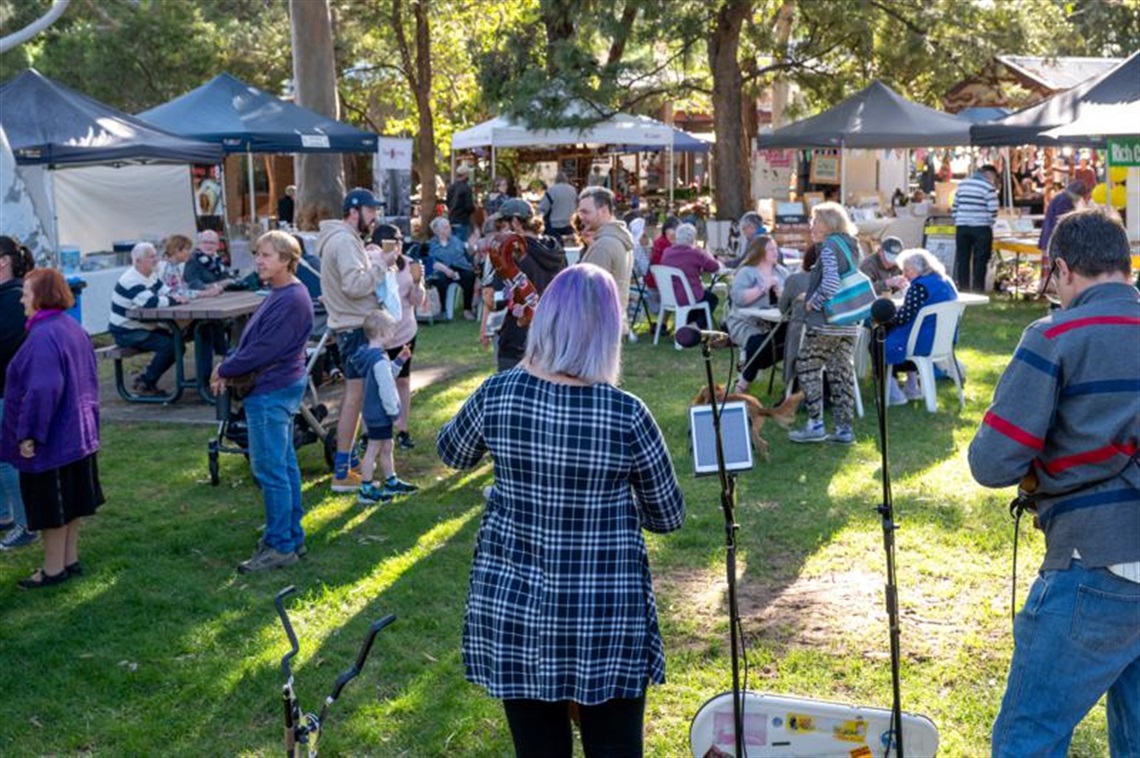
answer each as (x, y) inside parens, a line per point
(882, 311)
(691, 336)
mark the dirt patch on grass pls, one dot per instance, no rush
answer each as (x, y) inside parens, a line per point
(842, 609)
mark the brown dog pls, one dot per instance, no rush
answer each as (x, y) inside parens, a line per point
(783, 414)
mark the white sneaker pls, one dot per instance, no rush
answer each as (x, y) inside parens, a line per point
(813, 431)
(895, 395)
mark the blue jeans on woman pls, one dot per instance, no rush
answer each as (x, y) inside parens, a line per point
(10, 501)
(269, 416)
(1077, 637)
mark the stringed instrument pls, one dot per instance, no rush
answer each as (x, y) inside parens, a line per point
(506, 250)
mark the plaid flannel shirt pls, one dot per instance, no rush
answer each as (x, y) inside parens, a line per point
(560, 604)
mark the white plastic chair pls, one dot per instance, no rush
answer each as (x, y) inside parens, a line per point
(666, 276)
(946, 317)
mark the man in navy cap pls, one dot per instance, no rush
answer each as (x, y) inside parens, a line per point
(350, 272)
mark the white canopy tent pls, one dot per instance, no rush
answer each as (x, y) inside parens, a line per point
(620, 129)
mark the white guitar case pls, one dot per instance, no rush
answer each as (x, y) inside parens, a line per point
(777, 725)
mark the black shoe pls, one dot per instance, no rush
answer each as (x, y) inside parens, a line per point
(143, 387)
(405, 441)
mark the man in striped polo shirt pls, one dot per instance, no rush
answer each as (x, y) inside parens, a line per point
(140, 287)
(1067, 409)
(975, 208)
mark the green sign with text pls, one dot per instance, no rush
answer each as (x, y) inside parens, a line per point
(1124, 152)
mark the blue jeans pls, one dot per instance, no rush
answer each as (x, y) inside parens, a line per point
(460, 231)
(10, 501)
(149, 339)
(274, 461)
(1077, 637)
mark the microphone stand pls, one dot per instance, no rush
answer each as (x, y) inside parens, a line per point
(886, 511)
(728, 504)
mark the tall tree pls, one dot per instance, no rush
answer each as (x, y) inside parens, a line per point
(415, 59)
(320, 176)
(732, 163)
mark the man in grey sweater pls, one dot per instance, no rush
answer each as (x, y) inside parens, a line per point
(1066, 412)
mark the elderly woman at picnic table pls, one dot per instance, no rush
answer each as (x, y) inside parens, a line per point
(928, 284)
(272, 350)
(50, 431)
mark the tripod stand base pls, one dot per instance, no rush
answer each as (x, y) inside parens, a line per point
(777, 725)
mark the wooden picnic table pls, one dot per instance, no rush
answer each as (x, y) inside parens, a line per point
(228, 306)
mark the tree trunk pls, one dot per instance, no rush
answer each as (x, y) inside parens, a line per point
(732, 164)
(781, 87)
(320, 176)
(417, 70)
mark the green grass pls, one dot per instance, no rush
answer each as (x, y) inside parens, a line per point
(162, 649)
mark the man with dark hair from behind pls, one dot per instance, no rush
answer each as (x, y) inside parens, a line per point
(1065, 422)
(975, 208)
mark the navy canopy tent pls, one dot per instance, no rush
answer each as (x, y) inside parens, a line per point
(243, 118)
(1101, 104)
(49, 124)
(875, 117)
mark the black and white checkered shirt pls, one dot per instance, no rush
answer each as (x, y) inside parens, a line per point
(560, 604)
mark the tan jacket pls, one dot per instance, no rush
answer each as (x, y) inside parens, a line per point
(348, 278)
(613, 250)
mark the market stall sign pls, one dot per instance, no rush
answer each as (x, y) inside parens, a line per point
(1124, 152)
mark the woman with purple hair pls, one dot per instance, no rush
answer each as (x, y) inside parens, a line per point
(560, 607)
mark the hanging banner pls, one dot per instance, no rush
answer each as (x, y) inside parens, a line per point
(772, 173)
(393, 175)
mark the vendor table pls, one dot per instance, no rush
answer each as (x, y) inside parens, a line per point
(228, 306)
(1018, 246)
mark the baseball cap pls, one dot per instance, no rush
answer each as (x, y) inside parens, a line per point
(891, 247)
(359, 198)
(516, 208)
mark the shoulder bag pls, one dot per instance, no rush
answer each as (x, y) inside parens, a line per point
(851, 303)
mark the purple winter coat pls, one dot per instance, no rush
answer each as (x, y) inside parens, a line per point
(51, 395)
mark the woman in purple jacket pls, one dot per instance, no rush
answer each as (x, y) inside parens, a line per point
(50, 431)
(273, 346)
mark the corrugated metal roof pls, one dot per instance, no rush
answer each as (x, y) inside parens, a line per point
(1059, 73)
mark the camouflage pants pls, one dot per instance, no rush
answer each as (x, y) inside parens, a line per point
(833, 354)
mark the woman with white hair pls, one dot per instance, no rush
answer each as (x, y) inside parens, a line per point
(560, 605)
(449, 262)
(828, 347)
(927, 284)
(685, 255)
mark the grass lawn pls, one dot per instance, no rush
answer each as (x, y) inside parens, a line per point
(163, 649)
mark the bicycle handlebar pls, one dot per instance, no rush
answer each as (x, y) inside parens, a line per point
(279, 601)
(349, 674)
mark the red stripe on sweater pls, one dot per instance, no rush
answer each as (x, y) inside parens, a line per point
(1057, 465)
(1078, 323)
(1014, 432)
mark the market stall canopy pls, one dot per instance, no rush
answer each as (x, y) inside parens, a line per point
(49, 124)
(1105, 105)
(638, 132)
(876, 117)
(243, 118)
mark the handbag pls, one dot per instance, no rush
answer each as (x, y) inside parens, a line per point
(851, 303)
(240, 386)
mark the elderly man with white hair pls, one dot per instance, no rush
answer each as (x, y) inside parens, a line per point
(140, 287)
(685, 255)
(206, 274)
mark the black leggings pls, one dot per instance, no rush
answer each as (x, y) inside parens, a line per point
(612, 729)
(466, 285)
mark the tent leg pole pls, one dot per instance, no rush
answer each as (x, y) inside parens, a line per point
(252, 194)
(494, 172)
(669, 175)
(842, 175)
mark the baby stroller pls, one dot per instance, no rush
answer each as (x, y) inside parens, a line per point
(311, 424)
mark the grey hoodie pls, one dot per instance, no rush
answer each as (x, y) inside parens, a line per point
(613, 250)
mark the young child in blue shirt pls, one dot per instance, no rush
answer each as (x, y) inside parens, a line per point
(381, 409)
